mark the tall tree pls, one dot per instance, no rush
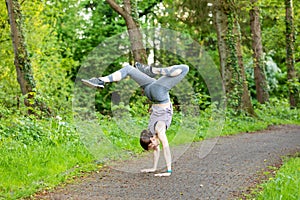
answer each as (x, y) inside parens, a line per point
(246, 103)
(135, 36)
(261, 84)
(290, 60)
(22, 62)
(221, 29)
(235, 79)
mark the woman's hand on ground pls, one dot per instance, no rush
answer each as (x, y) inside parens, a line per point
(163, 174)
(148, 170)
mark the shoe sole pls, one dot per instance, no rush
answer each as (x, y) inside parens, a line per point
(87, 83)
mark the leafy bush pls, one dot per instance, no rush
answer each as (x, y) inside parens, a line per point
(272, 113)
(273, 75)
(29, 131)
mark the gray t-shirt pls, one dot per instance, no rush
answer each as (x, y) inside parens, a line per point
(160, 114)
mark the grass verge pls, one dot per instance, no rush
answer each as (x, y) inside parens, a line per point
(284, 185)
(25, 170)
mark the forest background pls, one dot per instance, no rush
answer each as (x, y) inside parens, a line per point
(254, 45)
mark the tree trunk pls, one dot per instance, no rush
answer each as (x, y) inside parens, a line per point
(135, 36)
(236, 86)
(259, 74)
(22, 62)
(290, 60)
(261, 84)
(246, 103)
(221, 24)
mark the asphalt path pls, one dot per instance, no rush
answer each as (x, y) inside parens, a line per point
(235, 164)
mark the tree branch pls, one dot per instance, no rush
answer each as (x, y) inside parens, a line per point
(117, 8)
(127, 6)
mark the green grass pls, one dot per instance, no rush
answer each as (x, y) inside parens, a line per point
(27, 169)
(38, 154)
(285, 185)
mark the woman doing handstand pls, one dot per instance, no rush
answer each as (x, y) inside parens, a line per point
(157, 91)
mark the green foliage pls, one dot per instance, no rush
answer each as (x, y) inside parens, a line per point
(273, 113)
(273, 75)
(50, 66)
(234, 87)
(8, 84)
(29, 130)
(45, 51)
(123, 137)
(101, 23)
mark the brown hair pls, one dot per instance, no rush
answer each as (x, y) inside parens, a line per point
(145, 139)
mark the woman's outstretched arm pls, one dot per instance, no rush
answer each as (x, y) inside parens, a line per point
(156, 154)
(161, 132)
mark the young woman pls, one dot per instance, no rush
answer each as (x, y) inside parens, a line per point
(161, 110)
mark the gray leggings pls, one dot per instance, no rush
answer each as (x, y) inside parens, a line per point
(156, 90)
